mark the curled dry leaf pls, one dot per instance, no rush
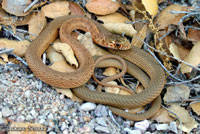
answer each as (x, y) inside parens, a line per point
(116, 23)
(195, 107)
(173, 48)
(86, 41)
(19, 47)
(194, 34)
(102, 7)
(193, 58)
(188, 123)
(36, 24)
(166, 18)
(67, 52)
(16, 7)
(54, 56)
(56, 9)
(114, 90)
(4, 57)
(177, 93)
(151, 6)
(162, 116)
(62, 66)
(27, 128)
(110, 71)
(75, 9)
(120, 28)
(68, 93)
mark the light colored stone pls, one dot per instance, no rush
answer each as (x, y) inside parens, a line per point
(88, 106)
(162, 127)
(129, 131)
(101, 121)
(6, 112)
(173, 127)
(142, 125)
(101, 129)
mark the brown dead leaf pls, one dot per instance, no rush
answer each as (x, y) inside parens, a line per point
(75, 9)
(54, 56)
(19, 47)
(177, 93)
(151, 6)
(138, 39)
(188, 123)
(173, 48)
(192, 58)
(4, 57)
(102, 7)
(195, 107)
(162, 116)
(166, 18)
(194, 34)
(36, 24)
(56, 9)
(68, 93)
(27, 128)
(62, 66)
(67, 52)
(16, 7)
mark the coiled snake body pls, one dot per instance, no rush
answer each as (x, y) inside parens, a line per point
(76, 79)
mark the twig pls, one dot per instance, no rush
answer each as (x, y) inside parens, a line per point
(19, 59)
(10, 32)
(30, 5)
(7, 51)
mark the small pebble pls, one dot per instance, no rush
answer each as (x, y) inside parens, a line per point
(173, 127)
(101, 129)
(142, 125)
(27, 93)
(50, 116)
(88, 106)
(162, 127)
(29, 117)
(6, 112)
(101, 121)
(42, 121)
(129, 131)
(3, 121)
(101, 111)
(65, 131)
(52, 132)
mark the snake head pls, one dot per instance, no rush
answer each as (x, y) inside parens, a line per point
(118, 42)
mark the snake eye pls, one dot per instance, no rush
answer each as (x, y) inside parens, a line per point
(117, 45)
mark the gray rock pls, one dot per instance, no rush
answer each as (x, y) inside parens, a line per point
(63, 126)
(3, 121)
(129, 131)
(102, 129)
(42, 121)
(29, 117)
(52, 132)
(101, 121)
(173, 127)
(88, 106)
(162, 127)
(1, 115)
(101, 111)
(6, 112)
(27, 93)
(34, 113)
(50, 116)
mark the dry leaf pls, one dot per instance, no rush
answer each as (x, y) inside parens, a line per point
(114, 90)
(86, 41)
(15, 7)
(75, 9)
(36, 24)
(67, 52)
(121, 28)
(193, 58)
(68, 93)
(2, 62)
(62, 66)
(56, 9)
(4, 57)
(124, 92)
(195, 107)
(19, 47)
(110, 71)
(166, 18)
(173, 48)
(194, 34)
(151, 6)
(177, 93)
(139, 88)
(102, 7)
(138, 40)
(162, 116)
(113, 18)
(54, 56)
(188, 123)
(27, 128)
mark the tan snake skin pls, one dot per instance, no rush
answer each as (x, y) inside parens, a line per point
(86, 63)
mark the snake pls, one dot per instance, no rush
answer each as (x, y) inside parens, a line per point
(115, 44)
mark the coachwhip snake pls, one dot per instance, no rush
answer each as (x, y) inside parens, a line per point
(76, 79)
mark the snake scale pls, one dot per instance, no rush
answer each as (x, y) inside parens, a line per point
(75, 80)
